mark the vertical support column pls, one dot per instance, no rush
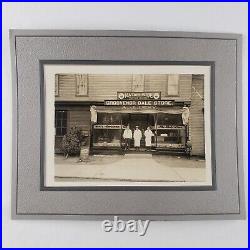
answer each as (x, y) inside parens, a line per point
(156, 121)
(91, 137)
(121, 132)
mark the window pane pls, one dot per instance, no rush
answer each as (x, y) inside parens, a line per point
(107, 137)
(58, 123)
(64, 123)
(64, 115)
(59, 114)
(109, 119)
(58, 131)
(64, 131)
(169, 119)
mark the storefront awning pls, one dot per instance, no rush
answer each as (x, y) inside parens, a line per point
(138, 110)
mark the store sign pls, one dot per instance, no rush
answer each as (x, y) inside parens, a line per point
(171, 145)
(138, 103)
(168, 126)
(139, 95)
(141, 108)
(105, 126)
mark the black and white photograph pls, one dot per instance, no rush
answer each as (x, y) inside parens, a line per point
(125, 125)
(128, 125)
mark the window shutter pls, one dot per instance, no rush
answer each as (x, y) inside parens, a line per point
(173, 85)
(82, 85)
(56, 85)
(138, 83)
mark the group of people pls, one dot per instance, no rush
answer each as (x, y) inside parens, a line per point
(137, 136)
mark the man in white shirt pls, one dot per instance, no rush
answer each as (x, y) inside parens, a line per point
(127, 136)
(137, 138)
(148, 138)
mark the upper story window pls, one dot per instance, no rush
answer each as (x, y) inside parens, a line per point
(56, 85)
(82, 85)
(172, 85)
(138, 83)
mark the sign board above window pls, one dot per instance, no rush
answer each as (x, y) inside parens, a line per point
(139, 103)
(138, 95)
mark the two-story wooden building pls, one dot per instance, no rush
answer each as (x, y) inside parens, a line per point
(103, 104)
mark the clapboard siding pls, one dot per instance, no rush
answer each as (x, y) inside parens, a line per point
(67, 86)
(106, 86)
(103, 87)
(197, 117)
(155, 83)
(159, 83)
(185, 83)
(79, 118)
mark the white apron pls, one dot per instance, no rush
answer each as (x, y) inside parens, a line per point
(148, 135)
(137, 138)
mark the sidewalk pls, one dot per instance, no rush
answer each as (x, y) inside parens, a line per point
(131, 167)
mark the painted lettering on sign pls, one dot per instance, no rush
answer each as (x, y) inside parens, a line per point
(138, 95)
(107, 126)
(138, 103)
(169, 126)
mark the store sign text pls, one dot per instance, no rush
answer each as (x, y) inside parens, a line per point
(138, 103)
(168, 126)
(138, 95)
(106, 126)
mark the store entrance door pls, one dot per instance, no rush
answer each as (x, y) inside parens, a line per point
(142, 121)
(138, 120)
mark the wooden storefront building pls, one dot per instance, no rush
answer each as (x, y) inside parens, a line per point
(145, 100)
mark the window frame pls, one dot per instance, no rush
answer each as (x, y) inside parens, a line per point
(76, 85)
(61, 127)
(134, 86)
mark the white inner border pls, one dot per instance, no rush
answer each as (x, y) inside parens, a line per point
(49, 81)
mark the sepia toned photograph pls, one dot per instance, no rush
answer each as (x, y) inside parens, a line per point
(128, 125)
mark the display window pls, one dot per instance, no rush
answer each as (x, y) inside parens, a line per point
(168, 129)
(107, 131)
(109, 119)
(171, 133)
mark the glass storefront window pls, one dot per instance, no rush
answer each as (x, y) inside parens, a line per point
(109, 119)
(169, 119)
(170, 131)
(165, 137)
(107, 138)
(107, 131)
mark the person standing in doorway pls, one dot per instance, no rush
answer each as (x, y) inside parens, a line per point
(148, 138)
(137, 138)
(127, 136)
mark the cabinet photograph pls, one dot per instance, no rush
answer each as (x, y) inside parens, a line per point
(127, 125)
